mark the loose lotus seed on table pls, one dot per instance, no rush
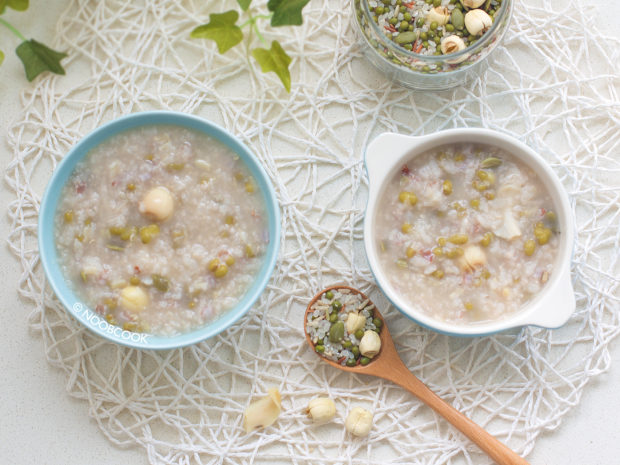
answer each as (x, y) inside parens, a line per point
(263, 412)
(321, 409)
(359, 422)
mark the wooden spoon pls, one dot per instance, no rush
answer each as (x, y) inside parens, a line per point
(388, 365)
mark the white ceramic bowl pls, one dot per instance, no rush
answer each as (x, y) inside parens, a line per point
(551, 308)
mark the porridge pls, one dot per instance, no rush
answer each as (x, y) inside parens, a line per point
(467, 233)
(161, 229)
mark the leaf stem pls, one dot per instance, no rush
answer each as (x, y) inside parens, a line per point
(264, 16)
(258, 34)
(253, 19)
(11, 28)
(249, 21)
(249, 41)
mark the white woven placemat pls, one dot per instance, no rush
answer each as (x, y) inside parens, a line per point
(554, 85)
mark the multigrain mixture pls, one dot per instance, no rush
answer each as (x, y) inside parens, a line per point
(466, 233)
(429, 28)
(426, 26)
(343, 327)
(161, 229)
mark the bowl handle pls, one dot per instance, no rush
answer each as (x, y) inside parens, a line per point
(383, 151)
(557, 305)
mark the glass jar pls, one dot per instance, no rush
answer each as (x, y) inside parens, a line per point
(426, 72)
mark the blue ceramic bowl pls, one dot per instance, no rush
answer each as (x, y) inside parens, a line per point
(47, 246)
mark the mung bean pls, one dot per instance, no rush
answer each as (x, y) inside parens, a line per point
(336, 331)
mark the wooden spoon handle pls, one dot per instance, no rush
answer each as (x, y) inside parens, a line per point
(487, 442)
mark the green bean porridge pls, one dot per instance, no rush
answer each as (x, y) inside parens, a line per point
(467, 232)
(161, 229)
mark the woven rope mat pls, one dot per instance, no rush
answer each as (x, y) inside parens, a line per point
(554, 85)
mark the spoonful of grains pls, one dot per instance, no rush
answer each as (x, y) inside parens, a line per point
(345, 328)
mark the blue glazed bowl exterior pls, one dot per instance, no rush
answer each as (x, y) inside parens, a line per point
(47, 246)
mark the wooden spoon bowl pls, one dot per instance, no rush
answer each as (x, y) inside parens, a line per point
(388, 365)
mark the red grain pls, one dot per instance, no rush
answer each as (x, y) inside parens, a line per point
(427, 255)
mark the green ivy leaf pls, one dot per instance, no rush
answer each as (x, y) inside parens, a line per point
(244, 4)
(222, 29)
(18, 5)
(275, 60)
(286, 12)
(38, 58)
(1, 57)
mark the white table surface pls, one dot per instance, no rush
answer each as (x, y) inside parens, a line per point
(40, 424)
